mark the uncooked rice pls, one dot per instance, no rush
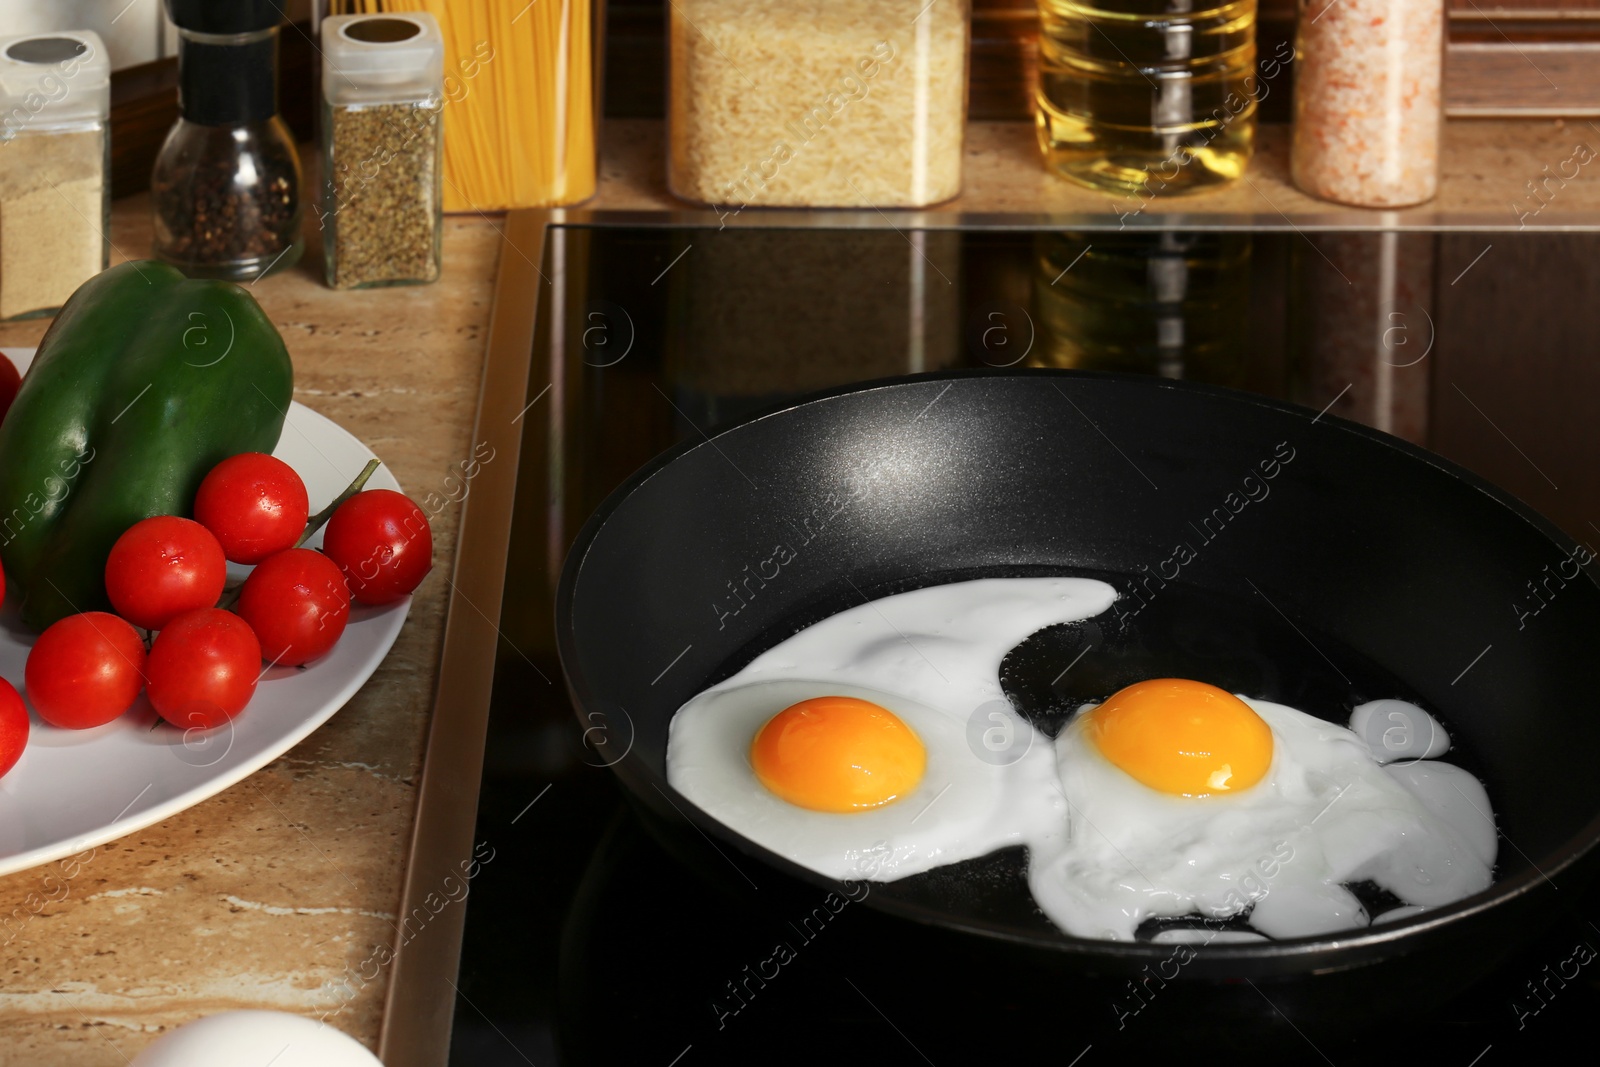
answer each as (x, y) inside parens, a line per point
(819, 102)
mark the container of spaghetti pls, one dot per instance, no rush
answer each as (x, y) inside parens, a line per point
(382, 138)
(1368, 108)
(829, 103)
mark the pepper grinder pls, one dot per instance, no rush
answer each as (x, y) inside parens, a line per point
(225, 191)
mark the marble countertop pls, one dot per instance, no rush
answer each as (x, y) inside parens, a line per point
(264, 895)
(1486, 167)
(277, 892)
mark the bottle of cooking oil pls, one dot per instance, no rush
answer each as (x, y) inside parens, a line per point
(1147, 97)
(1171, 303)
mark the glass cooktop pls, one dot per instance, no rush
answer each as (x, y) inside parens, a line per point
(586, 943)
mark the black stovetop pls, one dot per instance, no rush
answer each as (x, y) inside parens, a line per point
(586, 943)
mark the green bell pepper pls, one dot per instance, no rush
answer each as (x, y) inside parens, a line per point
(144, 382)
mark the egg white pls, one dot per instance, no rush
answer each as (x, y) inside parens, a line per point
(1106, 853)
(1326, 813)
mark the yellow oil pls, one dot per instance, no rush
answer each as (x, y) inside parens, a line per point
(1144, 302)
(1147, 98)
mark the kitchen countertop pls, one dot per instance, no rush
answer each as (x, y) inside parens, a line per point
(1486, 165)
(274, 893)
(262, 896)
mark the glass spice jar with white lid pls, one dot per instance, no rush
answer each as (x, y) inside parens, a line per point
(55, 196)
(382, 140)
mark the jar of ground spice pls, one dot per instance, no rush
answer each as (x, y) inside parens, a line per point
(55, 94)
(225, 191)
(382, 96)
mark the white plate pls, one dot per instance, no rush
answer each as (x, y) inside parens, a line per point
(75, 789)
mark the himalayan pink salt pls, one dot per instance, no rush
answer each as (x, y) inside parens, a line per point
(1367, 100)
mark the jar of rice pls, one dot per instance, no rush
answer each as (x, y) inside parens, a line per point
(817, 103)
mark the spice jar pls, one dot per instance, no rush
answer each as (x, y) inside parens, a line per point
(382, 97)
(522, 98)
(827, 103)
(225, 191)
(1367, 101)
(55, 201)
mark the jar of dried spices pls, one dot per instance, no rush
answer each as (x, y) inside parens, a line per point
(382, 98)
(830, 103)
(225, 191)
(1367, 102)
(55, 201)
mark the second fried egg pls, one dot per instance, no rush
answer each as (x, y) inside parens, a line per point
(1186, 800)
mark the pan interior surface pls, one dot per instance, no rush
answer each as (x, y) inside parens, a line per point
(1253, 545)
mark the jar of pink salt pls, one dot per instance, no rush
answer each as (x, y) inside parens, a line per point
(1367, 101)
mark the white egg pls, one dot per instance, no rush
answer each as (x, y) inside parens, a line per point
(1326, 814)
(932, 657)
(243, 1037)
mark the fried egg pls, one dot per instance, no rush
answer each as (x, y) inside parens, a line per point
(1186, 800)
(877, 743)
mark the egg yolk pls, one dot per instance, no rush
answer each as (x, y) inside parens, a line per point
(1182, 737)
(837, 754)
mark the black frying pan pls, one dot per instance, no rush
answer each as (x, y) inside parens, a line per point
(1362, 568)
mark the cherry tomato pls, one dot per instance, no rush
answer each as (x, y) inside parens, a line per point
(10, 380)
(255, 504)
(382, 543)
(13, 726)
(85, 670)
(163, 567)
(297, 603)
(203, 668)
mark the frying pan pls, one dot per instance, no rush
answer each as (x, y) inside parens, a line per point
(1331, 564)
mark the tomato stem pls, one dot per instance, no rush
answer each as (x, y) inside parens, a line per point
(321, 518)
(230, 597)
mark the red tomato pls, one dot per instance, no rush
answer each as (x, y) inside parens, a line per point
(297, 603)
(163, 567)
(9, 381)
(85, 670)
(13, 726)
(382, 542)
(203, 668)
(255, 504)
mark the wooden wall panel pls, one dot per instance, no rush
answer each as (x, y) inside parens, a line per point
(1532, 57)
